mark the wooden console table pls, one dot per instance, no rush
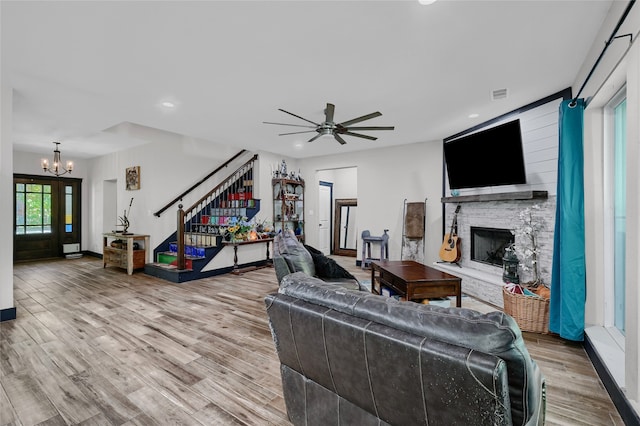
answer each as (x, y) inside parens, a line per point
(414, 281)
(125, 256)
(235, 244)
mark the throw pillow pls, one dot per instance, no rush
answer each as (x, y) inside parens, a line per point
(327, 267)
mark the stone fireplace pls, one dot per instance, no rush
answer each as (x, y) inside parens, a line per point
(484, 229)
(488, 244)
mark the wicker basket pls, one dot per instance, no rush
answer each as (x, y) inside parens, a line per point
(530, 312)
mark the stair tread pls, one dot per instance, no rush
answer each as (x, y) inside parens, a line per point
(186, 256)
(166, 266)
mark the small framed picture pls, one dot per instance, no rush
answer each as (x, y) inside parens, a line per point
(133, 178)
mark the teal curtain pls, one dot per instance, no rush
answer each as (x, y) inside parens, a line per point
(568, 276)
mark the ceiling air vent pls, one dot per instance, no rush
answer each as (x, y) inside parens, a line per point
(499, 94)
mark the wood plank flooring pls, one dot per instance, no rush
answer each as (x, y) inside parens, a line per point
(94, 346)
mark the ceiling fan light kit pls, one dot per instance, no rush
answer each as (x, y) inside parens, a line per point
(331, 128)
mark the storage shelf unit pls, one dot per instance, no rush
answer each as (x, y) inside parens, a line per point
(288, 206)
(118, 250)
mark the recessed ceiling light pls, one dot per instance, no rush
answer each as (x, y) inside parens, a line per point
(426, 2)
(168, 104)
(474, 115)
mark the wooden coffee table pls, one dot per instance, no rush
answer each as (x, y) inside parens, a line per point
(414, 281)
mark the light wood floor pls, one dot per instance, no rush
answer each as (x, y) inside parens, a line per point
(95, 346)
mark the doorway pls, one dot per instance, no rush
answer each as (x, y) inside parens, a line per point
(335, 184)
(325, 191)
(46, 215)
(345, 237)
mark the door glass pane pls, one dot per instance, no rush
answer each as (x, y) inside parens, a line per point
(33, 208)
(46, 209)
(20, 207)
(34, 187)
(68, 209)
(619, 211)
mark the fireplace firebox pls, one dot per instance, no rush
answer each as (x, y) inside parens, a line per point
(488, 244)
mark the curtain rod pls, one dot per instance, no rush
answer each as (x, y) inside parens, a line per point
(606, 46)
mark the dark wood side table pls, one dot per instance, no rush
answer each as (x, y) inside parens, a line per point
(236, 269)
(414, 281)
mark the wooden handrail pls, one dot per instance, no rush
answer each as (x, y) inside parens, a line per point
(208, 194)
(200, 182)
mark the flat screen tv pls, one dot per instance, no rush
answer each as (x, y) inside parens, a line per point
(490, 157)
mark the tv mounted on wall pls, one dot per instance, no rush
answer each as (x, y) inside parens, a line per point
(489, 157)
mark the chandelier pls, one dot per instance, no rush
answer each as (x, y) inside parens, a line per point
(56, 168)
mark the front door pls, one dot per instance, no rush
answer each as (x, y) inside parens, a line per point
(46, 216)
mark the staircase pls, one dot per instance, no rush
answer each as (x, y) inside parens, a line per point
(200, 229)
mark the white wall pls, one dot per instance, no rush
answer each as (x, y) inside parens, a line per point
(6, 208)
(168, 166)
(385, 178)
(345, 182)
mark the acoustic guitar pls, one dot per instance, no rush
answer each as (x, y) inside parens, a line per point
(450, 249)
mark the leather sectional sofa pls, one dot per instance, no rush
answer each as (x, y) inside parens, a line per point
(352, 358)
(290, 255)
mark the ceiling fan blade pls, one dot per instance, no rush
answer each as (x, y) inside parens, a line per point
(295, 133)
(371, 128)
(359, 135)
(328, 112)
(297, 116)
(363, 118)
(286, 124)
(315, 137)
(339, 139)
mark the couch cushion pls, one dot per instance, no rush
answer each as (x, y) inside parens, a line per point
(327, 268)
(296, 257)
(495, 333)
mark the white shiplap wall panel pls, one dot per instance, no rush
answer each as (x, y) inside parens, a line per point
(539, 129)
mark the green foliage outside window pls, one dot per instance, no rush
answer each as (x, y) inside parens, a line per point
(33, 208)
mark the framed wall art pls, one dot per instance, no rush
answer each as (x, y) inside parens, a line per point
(132, 178)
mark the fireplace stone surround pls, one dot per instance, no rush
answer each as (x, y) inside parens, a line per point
(488, 245)
(484, 281)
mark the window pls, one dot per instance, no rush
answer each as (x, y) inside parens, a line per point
(33, 208)
(619, 211)
(68, 208)
(615, 208)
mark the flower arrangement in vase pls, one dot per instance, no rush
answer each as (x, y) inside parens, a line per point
(526, 242)
(238, 227)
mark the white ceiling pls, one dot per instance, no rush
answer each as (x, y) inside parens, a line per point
(92, 74)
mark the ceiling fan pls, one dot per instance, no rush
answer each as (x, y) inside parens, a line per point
(329, 127)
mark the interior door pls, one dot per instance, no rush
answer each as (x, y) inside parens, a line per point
(324, 217)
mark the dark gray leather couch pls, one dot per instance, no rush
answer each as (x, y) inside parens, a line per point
(353, 358)
(290, 255)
